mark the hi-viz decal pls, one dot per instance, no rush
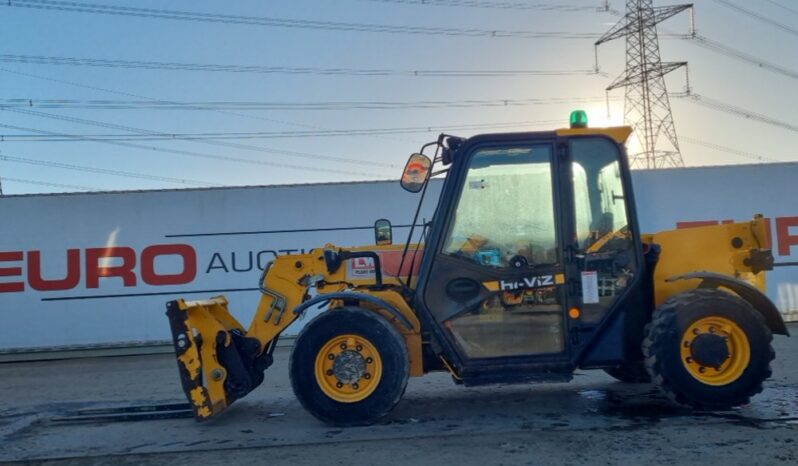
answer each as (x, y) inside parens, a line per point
(526, 283)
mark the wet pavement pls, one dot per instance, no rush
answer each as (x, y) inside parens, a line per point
(592, 419)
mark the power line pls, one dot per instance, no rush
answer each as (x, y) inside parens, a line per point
(722, 49)
(496, 5)
(102, 171)
(259, 69)
(792, 10)
(159, 135)
(223, 158)
(194, 16)
(757, 16)
(717, 47)
(52, 185)
(740, 112)
(730, 150)
(304, 106)
(56, 137)
(151, 99)
(155, 136)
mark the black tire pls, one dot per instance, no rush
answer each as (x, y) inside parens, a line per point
(392, 352)
(662, 348)
(630, 372)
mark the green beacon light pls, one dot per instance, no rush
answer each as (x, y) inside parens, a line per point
(578, 119)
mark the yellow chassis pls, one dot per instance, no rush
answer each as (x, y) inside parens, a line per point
(205, 334)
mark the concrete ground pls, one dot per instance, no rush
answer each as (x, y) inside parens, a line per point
(592, 420)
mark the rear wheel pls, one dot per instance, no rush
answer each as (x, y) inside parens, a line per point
(708, 349)
(349, 366)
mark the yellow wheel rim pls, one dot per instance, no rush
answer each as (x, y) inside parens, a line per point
(737, 350)
(348, 368)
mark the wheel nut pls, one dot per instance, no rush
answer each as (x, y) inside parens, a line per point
(343, 345)
(330, 356)
(369, 360)
(355, 386)
(711, 329)
(329, 372)
(689, 360)
(339, 385)
(696, 331)
(358, 348)
(702, 369)
(367, 376)
(686, 343)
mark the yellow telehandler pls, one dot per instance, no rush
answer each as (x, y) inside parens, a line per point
(532, 267)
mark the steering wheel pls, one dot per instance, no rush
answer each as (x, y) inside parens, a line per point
(518, 262)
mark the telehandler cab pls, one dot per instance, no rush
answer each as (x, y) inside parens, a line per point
(532, 267)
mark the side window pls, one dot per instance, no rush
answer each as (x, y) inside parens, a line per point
(505, 214)
(599, 202)
(605, 249)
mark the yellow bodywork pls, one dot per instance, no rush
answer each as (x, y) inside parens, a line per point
(618, 133)
(714, 248)
(286, 284)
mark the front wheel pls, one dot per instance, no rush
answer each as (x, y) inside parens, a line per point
(349, 366)
(709, 349)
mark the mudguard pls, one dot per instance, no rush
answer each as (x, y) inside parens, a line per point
(350, 296)
(745, 290)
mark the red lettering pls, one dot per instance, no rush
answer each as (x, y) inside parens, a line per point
(11, 287)
(35, 272)
(151, 277)
(94, 270)
(786, 240)
(700, 223)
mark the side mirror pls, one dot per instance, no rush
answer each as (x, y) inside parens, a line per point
(416, 173)
(383, 233)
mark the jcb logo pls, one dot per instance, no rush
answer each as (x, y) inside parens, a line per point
(525, 283)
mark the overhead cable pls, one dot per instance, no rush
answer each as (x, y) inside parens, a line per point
(52, 185)
(151, 99)
(94, 8)
(260, 69)
(729, 150)
(497, 5)
(270, 134)
(102, 171)
(276, 105)
(222, 158)
(740, 112)
(758, 16)
(723, 49)
(160, 135)
(782, 6)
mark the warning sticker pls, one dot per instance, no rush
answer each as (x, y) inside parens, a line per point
(360, 268)
(590, 293)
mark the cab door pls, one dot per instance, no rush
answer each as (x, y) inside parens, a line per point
(496, 286)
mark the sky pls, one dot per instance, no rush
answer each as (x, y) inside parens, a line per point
(376, 119)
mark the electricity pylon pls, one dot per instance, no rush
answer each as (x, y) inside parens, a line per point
(646, 105)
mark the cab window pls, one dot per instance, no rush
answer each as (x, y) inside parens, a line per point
(505, 214)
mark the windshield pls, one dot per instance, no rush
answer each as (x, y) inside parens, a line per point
(506, 208)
